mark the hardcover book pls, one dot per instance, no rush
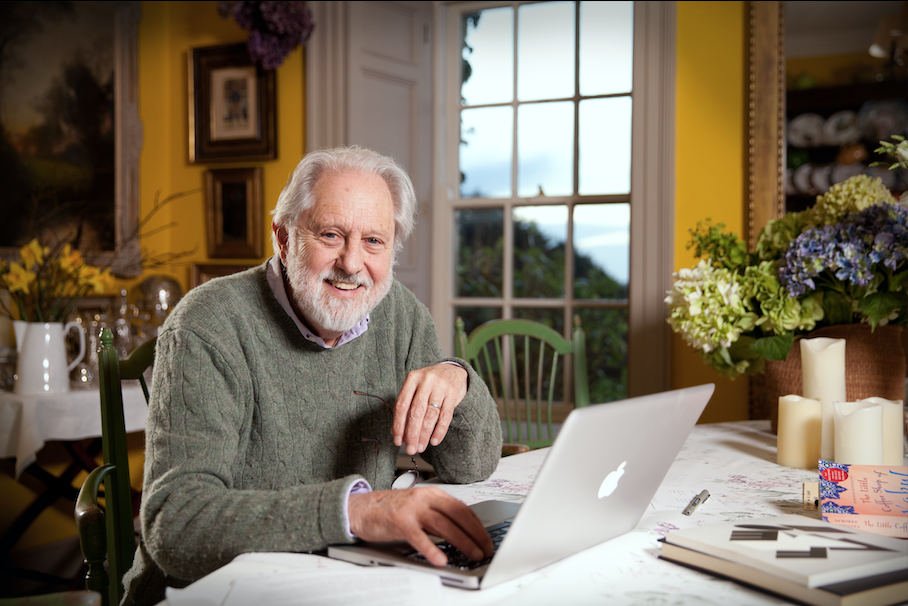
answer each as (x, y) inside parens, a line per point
(877, 590)
(811, 553)
(865, 497)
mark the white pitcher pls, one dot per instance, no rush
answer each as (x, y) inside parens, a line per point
(42, 366)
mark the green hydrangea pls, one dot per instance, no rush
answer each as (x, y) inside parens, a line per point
(708, 307)
(778, 234)
(850, 196)
(780, 312)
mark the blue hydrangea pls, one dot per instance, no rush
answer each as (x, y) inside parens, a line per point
(852, 250)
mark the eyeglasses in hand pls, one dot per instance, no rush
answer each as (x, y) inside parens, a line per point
(406, 479)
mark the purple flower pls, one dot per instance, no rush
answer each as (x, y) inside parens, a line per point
(275, 28)
(850, 250)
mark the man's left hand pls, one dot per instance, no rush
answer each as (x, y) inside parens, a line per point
(425, 405)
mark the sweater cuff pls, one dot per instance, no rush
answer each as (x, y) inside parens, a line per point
(358, 487)
(332, 510)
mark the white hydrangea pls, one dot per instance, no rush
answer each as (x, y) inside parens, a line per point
(707, 307)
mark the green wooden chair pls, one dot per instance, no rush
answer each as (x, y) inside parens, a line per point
(109, 533)
(519, 361)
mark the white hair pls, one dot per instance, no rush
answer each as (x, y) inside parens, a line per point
(297, 197)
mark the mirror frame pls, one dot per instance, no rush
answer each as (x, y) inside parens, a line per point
(766, 119)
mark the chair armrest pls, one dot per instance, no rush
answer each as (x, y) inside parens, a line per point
(92, 526)
(512, 449)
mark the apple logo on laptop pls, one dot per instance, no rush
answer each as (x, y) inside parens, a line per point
(610, 483)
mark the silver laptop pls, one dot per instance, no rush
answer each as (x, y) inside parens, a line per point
(595, 484)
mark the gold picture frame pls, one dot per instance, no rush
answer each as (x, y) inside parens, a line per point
(232, 106)
(233, 201)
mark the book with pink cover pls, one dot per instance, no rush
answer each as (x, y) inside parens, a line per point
(872, 498)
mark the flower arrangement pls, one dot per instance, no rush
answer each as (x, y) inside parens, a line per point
(275, 28)
(843, 261)
(46, 283)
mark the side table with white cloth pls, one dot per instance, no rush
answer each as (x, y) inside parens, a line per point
(28, 421)
(735, 462)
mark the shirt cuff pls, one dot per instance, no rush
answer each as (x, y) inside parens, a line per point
(357, 487)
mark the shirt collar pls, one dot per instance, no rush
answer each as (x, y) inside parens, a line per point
(274, 274)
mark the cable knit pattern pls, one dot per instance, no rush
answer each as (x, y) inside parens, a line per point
(254, 434)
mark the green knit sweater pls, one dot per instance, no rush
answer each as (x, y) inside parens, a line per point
(254, 434)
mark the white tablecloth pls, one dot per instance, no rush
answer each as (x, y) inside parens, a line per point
(734, 461)
(28, 421)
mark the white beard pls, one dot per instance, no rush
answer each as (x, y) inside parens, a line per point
(320, 309)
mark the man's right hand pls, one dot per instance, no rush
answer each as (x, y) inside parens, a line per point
(410, 515)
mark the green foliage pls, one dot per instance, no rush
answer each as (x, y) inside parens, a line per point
(539, 272)
(881, 305)
(723, 249)
(775, 347)
(836, 308)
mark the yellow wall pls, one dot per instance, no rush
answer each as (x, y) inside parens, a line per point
(168, 30)
(711, 125)
(166, 33)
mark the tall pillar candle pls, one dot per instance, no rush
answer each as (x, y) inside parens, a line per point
(823, 379)
(800, 421)
(893, 419)
(858, 433)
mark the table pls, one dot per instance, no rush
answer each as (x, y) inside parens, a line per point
(28, 421)
(734, 461)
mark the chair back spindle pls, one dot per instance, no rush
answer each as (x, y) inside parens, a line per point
(519, 361)
(108, 533)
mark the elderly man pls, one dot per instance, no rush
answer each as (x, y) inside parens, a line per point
(267, 429)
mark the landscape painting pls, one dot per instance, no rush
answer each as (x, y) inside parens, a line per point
(57, 124)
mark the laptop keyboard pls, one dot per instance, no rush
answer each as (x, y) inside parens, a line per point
(456, 559)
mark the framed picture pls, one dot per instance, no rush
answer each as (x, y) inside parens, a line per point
(232, 115)
(70, 130)
(234, 211)
(202, 273)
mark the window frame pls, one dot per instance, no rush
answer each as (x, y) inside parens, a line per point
(651, 198)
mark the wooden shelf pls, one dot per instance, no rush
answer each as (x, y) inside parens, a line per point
(827, 101)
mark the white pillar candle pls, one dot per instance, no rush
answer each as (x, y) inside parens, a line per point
(858, 433)
(823, 379)
(893, 418)
(800, 421)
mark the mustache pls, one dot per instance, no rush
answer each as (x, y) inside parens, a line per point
(339, 275)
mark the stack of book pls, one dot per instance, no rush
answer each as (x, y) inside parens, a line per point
(800, 558)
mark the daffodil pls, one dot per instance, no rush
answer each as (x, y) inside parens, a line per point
(70, 259)
(19, 279)
(32, 254)
(46, 284)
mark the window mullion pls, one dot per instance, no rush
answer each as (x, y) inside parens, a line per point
(508, 260)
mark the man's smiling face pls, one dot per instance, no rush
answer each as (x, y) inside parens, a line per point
(340, 254)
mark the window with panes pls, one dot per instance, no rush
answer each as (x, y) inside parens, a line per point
(542, 213)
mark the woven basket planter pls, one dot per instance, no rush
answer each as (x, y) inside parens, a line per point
(874, 366)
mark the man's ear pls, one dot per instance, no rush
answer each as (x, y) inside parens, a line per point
(282, 236)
